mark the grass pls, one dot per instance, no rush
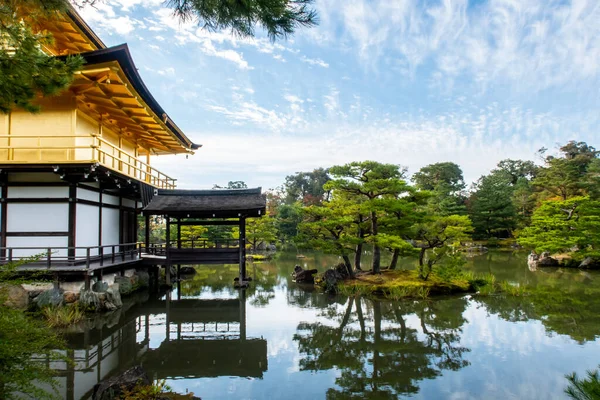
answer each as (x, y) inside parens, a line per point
(258, 257)
(60, 317)
(398, 285)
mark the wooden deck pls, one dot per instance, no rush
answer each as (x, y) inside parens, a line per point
(87, 260)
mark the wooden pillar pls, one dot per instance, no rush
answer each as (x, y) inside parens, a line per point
(168, 274)
(147, 232)
(100, 217)
(72, 220)
(242, 244)
(3, 217)
(168, 237)
(121, 222)
(179, 247)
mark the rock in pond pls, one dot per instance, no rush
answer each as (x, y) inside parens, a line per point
(301, 275)
(589, 263)
(187, 270)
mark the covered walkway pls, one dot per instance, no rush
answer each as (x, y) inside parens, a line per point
(202, 208)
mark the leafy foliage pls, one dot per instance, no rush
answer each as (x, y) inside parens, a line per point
(25, 345)
(558, 226)
(26, 72)
(279, 18)
(584, 389)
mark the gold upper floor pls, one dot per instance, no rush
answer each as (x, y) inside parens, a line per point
(107, 115)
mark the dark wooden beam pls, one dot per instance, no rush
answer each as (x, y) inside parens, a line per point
(25, 234)
(208, 223)
(100, 217)
(3, 217)
(72, 219)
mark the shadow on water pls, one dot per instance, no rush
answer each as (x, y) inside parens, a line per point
(276, 336)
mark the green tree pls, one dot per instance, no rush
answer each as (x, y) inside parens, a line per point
(401, 216)
(558, 226)
(445, 181)
(374, 183)
(260, 230)
(491, 206)
(306, 187)
(565, 176)
(437, 237)
(287, 219)
(329, 229)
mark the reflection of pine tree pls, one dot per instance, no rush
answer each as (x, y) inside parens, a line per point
(379, 354)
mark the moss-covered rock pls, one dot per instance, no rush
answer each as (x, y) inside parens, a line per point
(402, 284)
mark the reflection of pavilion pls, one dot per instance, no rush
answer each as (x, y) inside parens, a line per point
(201, 338)
(206, 338)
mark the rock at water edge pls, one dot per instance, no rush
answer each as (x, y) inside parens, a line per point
(112, 388)
(50, 298)
(15, 296)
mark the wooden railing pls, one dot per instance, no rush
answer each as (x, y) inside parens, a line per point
(84, 257)
(68, 148)
(160, 249)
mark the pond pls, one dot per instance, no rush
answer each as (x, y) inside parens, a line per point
(279, 340)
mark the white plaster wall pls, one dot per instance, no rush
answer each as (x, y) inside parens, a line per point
(37, 217)
(87, 195)
(110, 226)
(110, 199)
(86, 232)
(16, 192)
(40, 244)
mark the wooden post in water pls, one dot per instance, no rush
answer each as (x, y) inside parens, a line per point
(242, 245)
(167, 251)
(242, 314)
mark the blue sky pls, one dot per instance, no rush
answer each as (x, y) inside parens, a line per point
(404, 82)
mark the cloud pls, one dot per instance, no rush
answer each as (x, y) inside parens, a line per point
(530, 44)
(314, 61)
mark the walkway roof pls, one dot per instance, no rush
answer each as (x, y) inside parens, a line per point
(216, 203)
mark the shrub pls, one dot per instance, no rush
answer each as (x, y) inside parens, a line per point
(60, 317)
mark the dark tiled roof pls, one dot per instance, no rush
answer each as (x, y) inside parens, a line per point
(208, 203)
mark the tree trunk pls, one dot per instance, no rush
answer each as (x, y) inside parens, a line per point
(422, 256)
(395, 255)
(348, 265)
(376, 250)
(358, 254)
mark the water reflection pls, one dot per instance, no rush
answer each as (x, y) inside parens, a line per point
(171, 337)
(382, 348)
(281, 340)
